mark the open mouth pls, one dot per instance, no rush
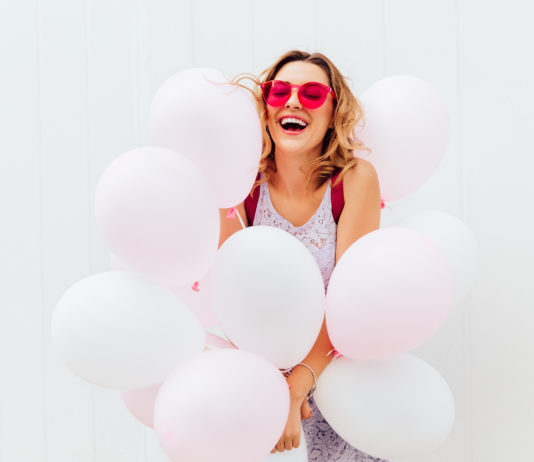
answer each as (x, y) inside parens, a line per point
(293, 125)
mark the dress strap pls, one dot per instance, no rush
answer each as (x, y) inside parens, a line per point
(251, 203)
(337, 198)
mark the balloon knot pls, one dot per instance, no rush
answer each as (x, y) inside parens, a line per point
(383, 204)
(195, 287)
(231, 213)
(336, 354)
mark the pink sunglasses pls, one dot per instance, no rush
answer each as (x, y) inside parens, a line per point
(311, 94)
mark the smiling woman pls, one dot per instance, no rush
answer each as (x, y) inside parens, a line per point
(308, 115)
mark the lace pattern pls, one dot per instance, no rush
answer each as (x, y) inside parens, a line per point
(318, 234)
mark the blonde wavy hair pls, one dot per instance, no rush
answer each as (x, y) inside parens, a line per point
(339, 142)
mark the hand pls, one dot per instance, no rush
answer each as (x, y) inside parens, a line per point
(306, 411)
(291, 437)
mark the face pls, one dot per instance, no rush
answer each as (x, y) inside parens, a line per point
(310, 139)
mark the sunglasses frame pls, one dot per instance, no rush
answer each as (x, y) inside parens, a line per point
(298, 87)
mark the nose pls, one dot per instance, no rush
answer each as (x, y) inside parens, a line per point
(293, 98)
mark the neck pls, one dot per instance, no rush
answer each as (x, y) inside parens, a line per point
(292, 172)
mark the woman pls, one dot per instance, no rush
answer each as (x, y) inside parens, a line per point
(308, 140)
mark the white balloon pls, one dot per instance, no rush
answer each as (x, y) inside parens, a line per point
(119, 330)
(268, 294)
(196, 297)
(299, 454)
(457, 241)
(393, 408)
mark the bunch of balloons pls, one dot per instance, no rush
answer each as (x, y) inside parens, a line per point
(141, 328)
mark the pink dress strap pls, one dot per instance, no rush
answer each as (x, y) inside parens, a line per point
(338, 200)
(251, 203)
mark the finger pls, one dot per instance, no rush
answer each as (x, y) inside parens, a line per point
(288, 444)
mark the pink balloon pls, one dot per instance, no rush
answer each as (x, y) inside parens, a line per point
(407, 129)
(140, 403)
(157, 213)
(389, 293)
(216, 126)
(222, 405)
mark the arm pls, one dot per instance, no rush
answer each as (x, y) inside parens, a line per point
(360, 215)
(230, 226)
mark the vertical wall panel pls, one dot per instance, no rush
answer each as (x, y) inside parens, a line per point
(350, 34)
(165, 48)
(65, 189)
(222, 35)
(498, 122)
(21, 327)
(280, 26)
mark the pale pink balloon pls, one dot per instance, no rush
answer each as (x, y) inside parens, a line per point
(389, 293)
(216, 126)
(140, 403)
(157, 213)
(197, 298)
(407, 128)
(223, 405)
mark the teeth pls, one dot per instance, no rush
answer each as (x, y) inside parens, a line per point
(287, 120)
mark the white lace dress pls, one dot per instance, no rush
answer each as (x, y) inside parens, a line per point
(319, 236)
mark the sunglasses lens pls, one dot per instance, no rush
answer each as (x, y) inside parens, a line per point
(276, 93)
(313, 95)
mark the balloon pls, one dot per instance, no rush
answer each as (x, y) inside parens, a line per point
(393, 408)
(140, 403)
(118, 330)
(299, 454)
(407, 129)
(157, 213)
(196, 297)
(456, 239)
(222, 405)
(389, 292)
(267, 294)
(216, 126)
(214, 342)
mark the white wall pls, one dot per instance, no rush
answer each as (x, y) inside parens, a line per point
(76, 80)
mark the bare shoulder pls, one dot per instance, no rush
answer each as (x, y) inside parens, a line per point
(361, 213)
(361, 178)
